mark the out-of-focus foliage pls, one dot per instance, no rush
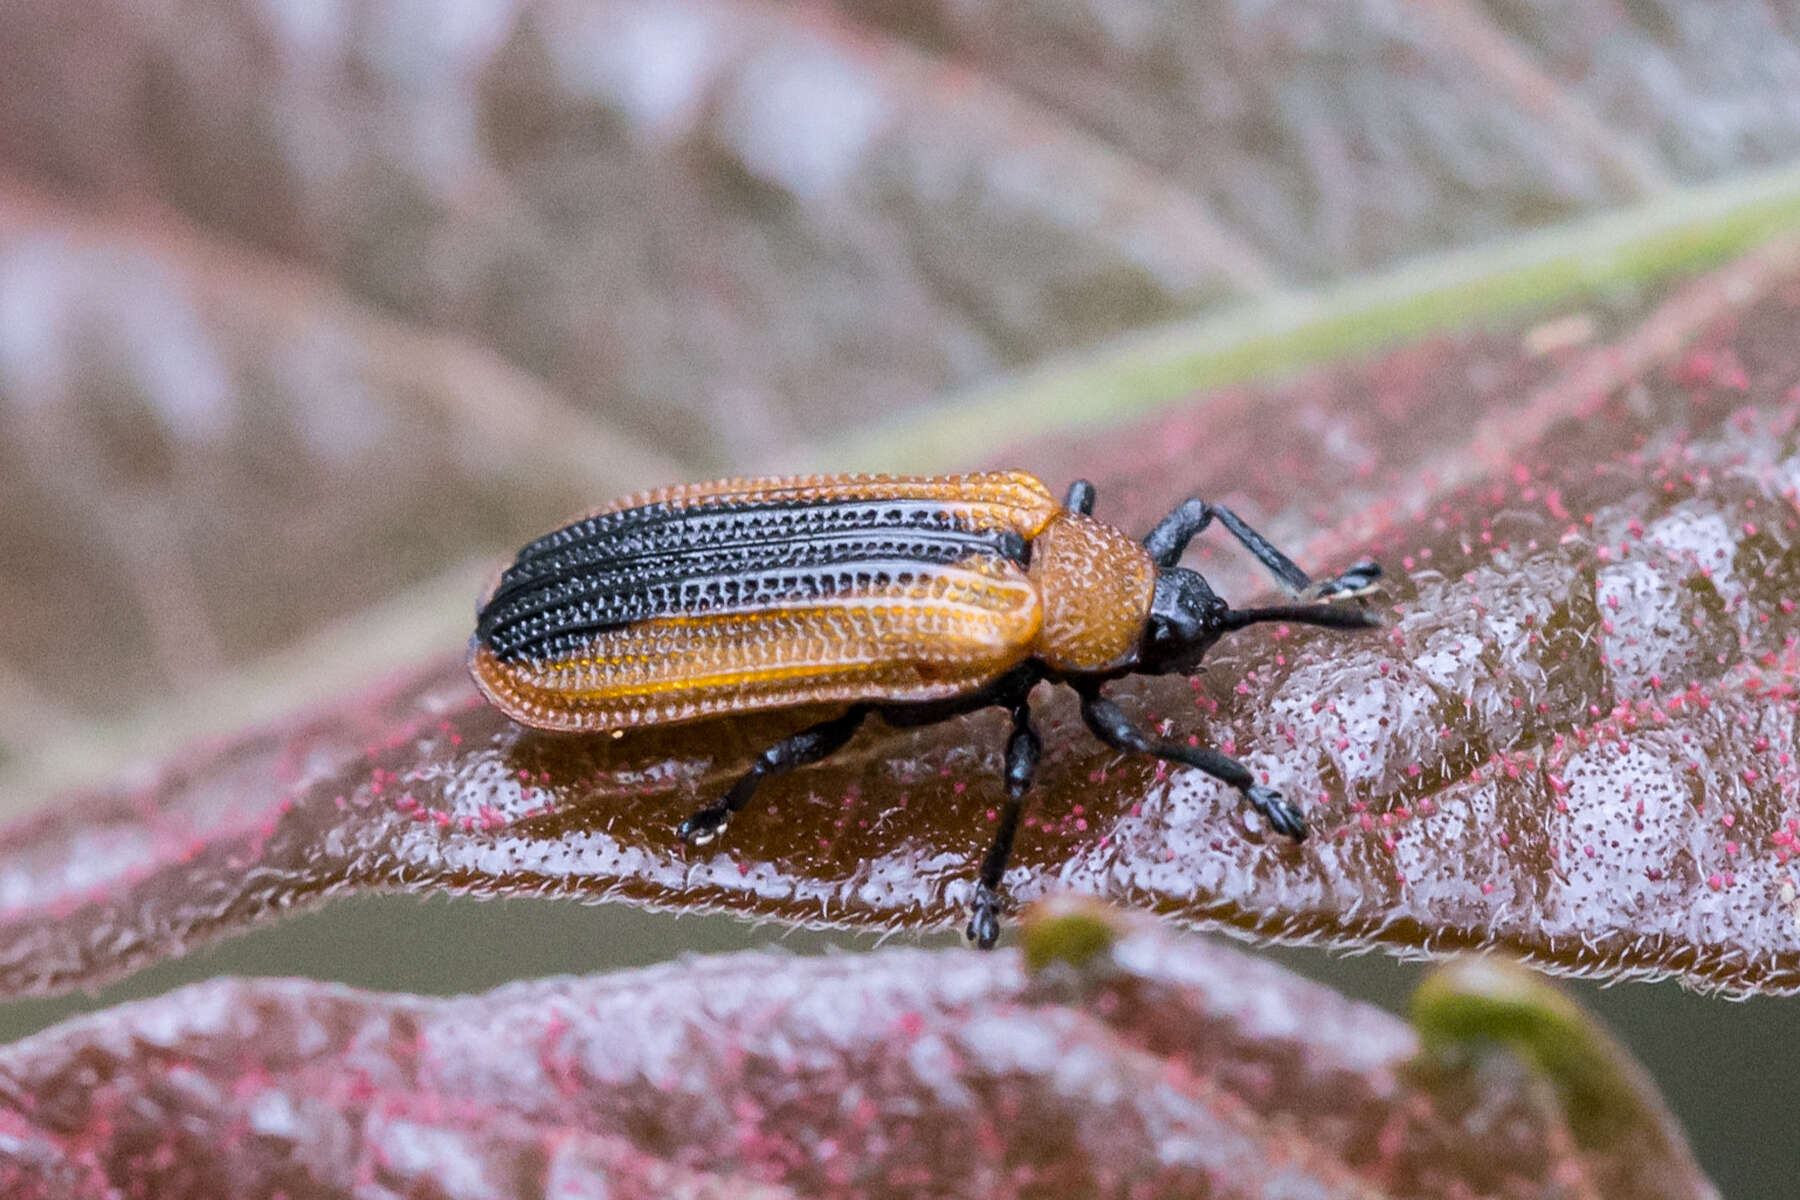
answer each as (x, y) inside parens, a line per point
(1145, 1066)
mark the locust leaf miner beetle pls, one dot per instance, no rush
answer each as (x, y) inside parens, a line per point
(913, 598)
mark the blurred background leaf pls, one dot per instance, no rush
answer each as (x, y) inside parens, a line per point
(1125, 1063)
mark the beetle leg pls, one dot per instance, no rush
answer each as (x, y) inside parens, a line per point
(807, 746)
(1080, 498)
(1022, 750)
(1173, 533)
(1112, 726)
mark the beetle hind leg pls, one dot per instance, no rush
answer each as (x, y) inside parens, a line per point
(1110, 724)
(807, 746)
(1022, 751)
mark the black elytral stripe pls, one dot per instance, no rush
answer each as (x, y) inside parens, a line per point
(665, 526)
(714, 558)
(567, 630)
(692, 536)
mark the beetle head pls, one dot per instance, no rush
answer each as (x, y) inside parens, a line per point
(1186, 618)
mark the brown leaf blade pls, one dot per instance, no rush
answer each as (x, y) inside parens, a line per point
(1576, 741)
(1146, 1065)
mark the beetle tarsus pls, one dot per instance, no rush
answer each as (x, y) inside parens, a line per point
(1359, 579)
(1283, 817)
(983, 929)
(807, 746)
(703, 827)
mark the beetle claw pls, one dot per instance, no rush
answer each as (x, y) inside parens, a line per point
(1284, 818)
(983, 929)
(1359, 579)
(698, 830)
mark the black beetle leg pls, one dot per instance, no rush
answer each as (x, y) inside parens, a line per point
(1080, 498)
(1022, 750)
(807, 746)
(1112, 726)
(1173, 533)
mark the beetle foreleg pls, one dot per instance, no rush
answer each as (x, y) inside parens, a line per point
(1022, 750)
(1173, 533)
(808, 746)
(1112, 726)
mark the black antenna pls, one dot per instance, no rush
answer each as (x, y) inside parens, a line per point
(1323, 615)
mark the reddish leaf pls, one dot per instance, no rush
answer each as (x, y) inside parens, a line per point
(1576, 742)
(1129, 1064)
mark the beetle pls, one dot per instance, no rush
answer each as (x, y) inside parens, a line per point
(915, 598)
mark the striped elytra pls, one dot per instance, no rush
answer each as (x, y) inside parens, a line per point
(760, 594)
(662, 561)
